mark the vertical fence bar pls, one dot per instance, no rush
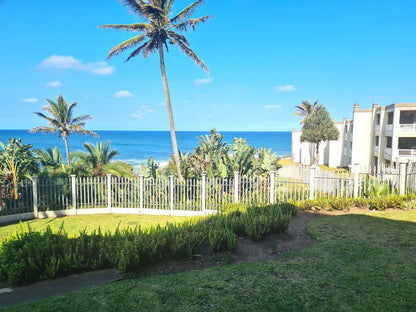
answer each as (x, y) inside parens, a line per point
(109, 192)
(35, 196)
(236, 183)
(312, 182)
(356, 174)
(402, 176)
(171, 193)
(141, 182)
(203, 190)
(73, 192)
(271, 187)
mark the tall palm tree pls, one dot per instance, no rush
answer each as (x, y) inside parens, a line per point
(305, 109)
(60, 119)
(158, 30)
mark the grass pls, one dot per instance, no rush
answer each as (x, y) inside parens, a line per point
(358, 263)
(74, 224)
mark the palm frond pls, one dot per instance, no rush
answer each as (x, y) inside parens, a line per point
(186, 12)
(131, 27)
(81, 118)
(185, 49)
(184, 26)
(43, 129)
(125, 45)
(133, 5)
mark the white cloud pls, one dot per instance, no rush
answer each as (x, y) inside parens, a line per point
(123, 94)
(186, 102)
(161, 104)
(285, 88)
(71, 63)
(272, 107)
(30, 100)
(54, 84)
(143, 111)
(200, 81)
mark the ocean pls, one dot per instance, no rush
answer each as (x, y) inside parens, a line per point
(137, 146)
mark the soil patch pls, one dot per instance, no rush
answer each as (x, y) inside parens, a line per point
(271, 246)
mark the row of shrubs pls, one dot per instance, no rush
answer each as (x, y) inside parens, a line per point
(31, 256)
(381, 203)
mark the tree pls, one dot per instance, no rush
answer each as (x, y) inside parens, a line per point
(96, 157)
(16, 162)
(305, 109)
(51, 158)
(157, 31)
(319, 127)
(61, 120)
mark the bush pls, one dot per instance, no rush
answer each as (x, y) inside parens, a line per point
(33, 256)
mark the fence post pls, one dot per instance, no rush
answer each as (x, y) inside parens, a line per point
(356, 175)
(272, 187)
(312, 181)
(402, 176)
(236, 183)
(73, 192)
(35, 196)
(203, 190)
(109, 192)
(141, 183)
(171, 193)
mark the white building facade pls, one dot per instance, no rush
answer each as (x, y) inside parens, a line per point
(374, 137)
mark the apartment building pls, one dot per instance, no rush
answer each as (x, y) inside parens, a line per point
(374, 137)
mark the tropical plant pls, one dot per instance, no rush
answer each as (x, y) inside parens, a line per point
(319, 127)
(51, 158)
(267, 161)
(16, 162)
(148, 170)
(157, 32)
(98, 158)
(118, 168)
(305, 109)
(60, 119)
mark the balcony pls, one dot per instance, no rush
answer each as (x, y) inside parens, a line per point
(407, 152)
(407, 127)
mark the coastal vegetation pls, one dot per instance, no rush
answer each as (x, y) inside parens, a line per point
(60, 119)
(31, 256)
(159, 30)
(318, 127)
(358, 263)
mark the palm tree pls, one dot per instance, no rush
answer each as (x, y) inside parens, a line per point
(157, 31)
(51, 158)
(305, 109)
(60, 119)
(96, 156)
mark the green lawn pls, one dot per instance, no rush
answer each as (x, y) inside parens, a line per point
(359, 263)
(73, 225)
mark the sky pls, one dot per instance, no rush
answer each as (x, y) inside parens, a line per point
(264, 58)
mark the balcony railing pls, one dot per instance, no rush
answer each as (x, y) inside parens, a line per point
(408, 127)
(407, 152)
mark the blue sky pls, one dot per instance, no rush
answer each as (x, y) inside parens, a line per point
(264, 60)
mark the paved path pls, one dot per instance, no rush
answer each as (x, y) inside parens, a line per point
(44, 289)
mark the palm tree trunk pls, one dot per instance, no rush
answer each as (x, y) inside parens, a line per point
(66, 148)
(170, 113)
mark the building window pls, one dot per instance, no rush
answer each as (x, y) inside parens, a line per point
(351, 129)
(377, 140)
(388, 143)
(378, 119)
(390, 118)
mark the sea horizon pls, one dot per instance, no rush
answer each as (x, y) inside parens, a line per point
(136, 146)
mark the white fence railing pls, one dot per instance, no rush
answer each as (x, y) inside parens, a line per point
(84, 195)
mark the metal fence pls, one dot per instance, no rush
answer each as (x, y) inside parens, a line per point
(196, 196)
